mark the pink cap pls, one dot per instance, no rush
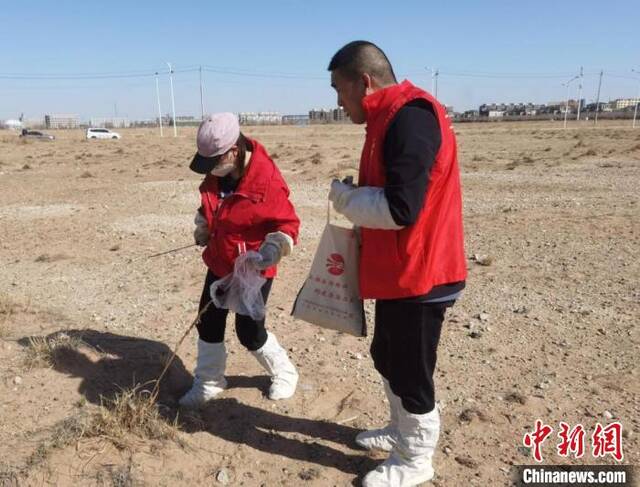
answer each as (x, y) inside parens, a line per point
(217, 134)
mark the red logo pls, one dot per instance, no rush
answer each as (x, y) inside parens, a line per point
(608, 441)
(335, 264)
(535, 438)
(605, 440)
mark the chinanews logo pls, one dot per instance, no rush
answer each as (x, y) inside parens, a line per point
(335, 264)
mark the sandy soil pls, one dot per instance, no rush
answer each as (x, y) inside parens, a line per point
(548, 329)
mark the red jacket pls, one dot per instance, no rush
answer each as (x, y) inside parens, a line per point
(411, 261)
(260, 205)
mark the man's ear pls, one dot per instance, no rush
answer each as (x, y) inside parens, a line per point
(368, 84)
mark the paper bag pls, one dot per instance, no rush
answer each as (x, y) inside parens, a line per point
(330, 296)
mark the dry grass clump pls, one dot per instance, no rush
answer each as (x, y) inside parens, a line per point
(45, 352)
(63, 434)
(316, 158)
(7, 309)
(116, 476)
(131, 411)
(46, 258)
(8, 475)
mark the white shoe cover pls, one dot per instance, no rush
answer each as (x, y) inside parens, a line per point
(383, 438)
(284, 377)
(208, 379)
(410, 461)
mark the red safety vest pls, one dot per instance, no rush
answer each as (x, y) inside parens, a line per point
(409, 262)
(240, 222)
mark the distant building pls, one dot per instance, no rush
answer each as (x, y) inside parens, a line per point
(260, 118)
(295, 120)
(59, 121)
(320, 116)
(145, 122)
(624, 103)
(335, 115)
(12, 124)
(110, 122)
(470, 114)
(339, 115)
(568, 105)
(492, 110)
(601, 107)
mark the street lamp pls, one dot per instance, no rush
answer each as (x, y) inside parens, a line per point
(173, 101)
(566, 105)
(159, 109)
(434, 80)
(579, 94)
(635, 110)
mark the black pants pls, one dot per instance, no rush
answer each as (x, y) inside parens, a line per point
(251, 333)
(404, 349)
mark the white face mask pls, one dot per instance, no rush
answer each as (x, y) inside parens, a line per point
(221, 170)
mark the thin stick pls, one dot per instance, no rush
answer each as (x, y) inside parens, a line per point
(166, 252)
(156, 388)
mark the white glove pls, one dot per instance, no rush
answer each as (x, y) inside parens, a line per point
(201, 233)
(275, 246)
(365, 206)
(339, 193)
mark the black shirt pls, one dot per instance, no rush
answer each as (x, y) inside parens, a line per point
(410, 146)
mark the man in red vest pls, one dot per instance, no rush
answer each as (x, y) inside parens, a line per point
(408, 208)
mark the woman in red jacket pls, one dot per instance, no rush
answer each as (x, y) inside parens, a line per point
(245, 206)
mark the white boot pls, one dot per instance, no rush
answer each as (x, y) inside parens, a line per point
(284, 376)
(383, 438)
(410, 461)
(208, 379)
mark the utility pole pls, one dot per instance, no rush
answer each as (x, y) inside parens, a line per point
(566, 105)
(159, 109)
(635, 110)
(173, 100)
(201, 99)
(434, 80)
(598, 97)
(580, 94)
(115, 109)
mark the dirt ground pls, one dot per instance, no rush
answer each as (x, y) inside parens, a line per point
(546, 329)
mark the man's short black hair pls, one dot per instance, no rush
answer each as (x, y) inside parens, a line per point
(359, 57)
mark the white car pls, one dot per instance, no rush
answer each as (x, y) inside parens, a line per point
(100, 133)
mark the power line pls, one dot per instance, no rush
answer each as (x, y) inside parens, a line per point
(285, 75)
(619, 76)
(260, 74)
(506, 75)
(83, 76)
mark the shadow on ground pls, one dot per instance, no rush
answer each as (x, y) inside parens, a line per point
(114, 362)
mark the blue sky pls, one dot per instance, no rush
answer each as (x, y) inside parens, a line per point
(487, 51)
